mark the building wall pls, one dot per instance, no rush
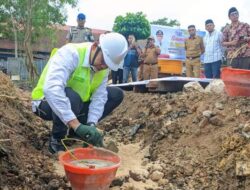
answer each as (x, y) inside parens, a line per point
(43, 47)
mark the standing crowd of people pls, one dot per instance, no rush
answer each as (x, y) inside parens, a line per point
(232, 42)
(141, 63)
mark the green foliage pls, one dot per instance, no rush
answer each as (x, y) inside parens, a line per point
(132, 23)
(166, 22)
(44, 14)
(25, 21)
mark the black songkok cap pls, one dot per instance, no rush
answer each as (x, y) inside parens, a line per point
(231, 10)
(209, 21)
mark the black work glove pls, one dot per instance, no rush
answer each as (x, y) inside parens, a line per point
(89, 134)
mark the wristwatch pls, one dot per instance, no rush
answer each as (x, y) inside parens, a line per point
(92, 124)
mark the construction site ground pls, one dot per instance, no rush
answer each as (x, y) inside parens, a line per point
(179, 141)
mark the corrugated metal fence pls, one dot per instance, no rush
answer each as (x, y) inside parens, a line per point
(16, 68)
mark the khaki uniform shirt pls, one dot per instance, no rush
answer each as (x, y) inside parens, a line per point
(194, 46)
(150, 55)
(79, 35)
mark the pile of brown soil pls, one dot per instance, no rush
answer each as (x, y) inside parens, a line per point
(196, 138)
(181, 141)
(23, 163)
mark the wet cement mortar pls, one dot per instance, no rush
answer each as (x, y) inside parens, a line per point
(191, 140)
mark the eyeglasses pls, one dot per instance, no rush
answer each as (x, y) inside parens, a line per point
(234, 14)
(96, 68)
(93, 68)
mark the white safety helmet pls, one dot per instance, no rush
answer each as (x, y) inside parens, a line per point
(114, 48)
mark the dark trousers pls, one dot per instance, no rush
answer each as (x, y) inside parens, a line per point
(117, 76)
(127, 70)
(80, 109)
(212, 70)
(240, 63)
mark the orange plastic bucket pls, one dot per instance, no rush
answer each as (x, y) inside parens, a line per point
(82, 178)
(237, 81)
(170, 66)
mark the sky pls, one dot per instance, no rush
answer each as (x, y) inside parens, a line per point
(100, 14)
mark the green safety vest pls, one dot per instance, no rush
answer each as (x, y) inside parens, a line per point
(80, 81)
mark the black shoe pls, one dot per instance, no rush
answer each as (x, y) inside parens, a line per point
(55, 145)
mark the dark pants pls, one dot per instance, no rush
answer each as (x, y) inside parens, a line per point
(117, 76)
(212, 70)
(80, 109)
(240, 63)
(127, 70)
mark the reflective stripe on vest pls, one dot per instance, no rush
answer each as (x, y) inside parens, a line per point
(80, 81)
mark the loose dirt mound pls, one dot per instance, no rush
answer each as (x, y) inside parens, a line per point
(23, 165)
(185, 140)
(194, 139)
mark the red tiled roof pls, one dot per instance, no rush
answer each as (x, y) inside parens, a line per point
(66, 28)
(44, 45)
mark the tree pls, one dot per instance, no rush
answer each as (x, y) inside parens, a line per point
(28, 20)
(132, 23)
(166, 22)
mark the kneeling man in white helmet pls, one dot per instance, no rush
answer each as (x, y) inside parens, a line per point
(72, 90)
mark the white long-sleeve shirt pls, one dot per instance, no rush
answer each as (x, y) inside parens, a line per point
(213, 47)
(60, 68)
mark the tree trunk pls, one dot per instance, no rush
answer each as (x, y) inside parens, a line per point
(15, 35)
(16, 47)
(27, 43)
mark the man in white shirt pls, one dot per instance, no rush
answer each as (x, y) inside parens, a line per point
(72, 89)
(213, 51)
(161, 43)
